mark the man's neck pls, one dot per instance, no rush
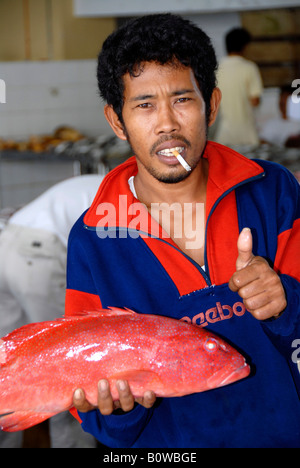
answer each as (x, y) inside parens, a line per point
(179, 208)
(192, 189)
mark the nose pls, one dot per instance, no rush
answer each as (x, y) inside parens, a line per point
(167, 121)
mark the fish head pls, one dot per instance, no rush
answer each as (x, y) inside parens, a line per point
(211, 363)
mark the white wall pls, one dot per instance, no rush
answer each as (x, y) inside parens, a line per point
(216, 25)
(40, 96)
(102, 8)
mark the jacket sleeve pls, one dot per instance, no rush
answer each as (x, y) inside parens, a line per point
(116, 430)
(284, 332)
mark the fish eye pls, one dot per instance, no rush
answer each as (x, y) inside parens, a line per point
(210, 344)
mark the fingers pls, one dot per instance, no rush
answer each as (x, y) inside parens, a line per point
(256, 282)
(261, 289)
(126, 399)
(125, 396)
(244, 246)
(80, 402)
(106, 404)
(105, 401)
(147, 400)
(248, 277)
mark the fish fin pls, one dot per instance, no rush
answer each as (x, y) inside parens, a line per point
(21, 420)
(110, 311)
(125, 311)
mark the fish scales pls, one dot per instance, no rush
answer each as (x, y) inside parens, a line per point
(42, 364)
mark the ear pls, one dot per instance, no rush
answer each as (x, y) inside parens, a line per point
(114, 122)
(214, 105)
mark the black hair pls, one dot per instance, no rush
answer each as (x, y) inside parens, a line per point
(161, 38)
(286, 89)
(237, 39)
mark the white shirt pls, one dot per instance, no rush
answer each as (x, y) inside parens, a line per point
(59, 207)
(239, 80)
(277, 131)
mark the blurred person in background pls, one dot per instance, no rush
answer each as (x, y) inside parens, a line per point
(241, 85)
(33, 252)
(283, 131)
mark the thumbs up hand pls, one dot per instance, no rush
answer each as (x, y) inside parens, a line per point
(256, 282)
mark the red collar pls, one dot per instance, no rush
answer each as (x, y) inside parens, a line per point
(227, 169)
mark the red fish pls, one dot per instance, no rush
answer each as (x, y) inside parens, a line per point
(41, 364)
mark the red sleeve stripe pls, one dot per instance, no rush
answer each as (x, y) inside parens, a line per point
(287, 257)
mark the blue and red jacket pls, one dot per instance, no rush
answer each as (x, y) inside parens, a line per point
(114, 261)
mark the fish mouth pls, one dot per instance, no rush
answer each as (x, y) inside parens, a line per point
(225, 377)
(237, 374)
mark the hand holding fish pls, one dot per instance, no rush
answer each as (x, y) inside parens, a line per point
(256, 282)
(106, 405)
(57, 364)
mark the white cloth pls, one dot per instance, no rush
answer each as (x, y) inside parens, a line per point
(277, 131)
(32, 277)
(239, 80)
(57, 209)
(293, 109)
(131, 186)
(33, 251)
(32, 289)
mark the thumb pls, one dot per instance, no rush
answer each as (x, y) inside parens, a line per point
(244, 245)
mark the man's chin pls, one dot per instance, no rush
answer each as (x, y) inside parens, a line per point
(172, 177)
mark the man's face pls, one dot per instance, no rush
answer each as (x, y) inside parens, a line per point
(164, 109)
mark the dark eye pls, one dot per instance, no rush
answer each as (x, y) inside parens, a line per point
(144, 105)
(211, 345)
(183, 99)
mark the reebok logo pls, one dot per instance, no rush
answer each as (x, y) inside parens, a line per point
(215, 314)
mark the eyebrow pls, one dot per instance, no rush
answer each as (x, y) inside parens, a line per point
(144, 97)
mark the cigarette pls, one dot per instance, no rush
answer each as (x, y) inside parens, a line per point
(181, 160)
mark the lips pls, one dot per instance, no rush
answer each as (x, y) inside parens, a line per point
(163, 150)
(169, 152)
(166, 147)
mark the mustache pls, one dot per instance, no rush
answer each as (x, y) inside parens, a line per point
(165, 138)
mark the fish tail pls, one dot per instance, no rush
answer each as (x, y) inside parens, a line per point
(21, 420)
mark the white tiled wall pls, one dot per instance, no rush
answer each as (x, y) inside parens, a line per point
(40, 96)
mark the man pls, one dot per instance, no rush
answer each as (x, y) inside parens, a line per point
(157, 75)
(240, 82)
